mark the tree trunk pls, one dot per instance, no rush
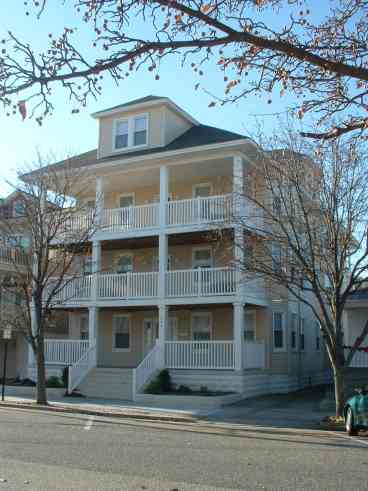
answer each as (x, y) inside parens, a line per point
(339, 379)
(41, 396)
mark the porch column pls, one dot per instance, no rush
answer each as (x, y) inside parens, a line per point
(92, 325)
(163, 240)
(162, 328)
(238, 326)
(96, 268)
(100, 201)
(238, 213)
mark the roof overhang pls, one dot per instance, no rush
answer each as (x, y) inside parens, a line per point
(145, 105)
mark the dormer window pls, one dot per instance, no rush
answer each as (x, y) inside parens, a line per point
(130, 132)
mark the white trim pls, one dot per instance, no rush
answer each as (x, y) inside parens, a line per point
(121, 350)
(201, 314)
(125, 195)
(201, 248)
(202, 185)
(143, 105)
(284, 341)
(130, 120)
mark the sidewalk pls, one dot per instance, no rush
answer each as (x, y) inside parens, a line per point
(108, 408)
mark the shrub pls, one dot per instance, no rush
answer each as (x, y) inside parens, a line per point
(160, 385)
(65, 377)
(203, 389)
(54, 383)
(183, 389)
(165, 380)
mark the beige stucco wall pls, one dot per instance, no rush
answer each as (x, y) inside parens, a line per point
(174, 125)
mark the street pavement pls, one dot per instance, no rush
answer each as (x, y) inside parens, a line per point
(46, 451)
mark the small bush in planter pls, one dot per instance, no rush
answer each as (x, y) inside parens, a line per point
(203, 389)
(154, 387)
(54, 383)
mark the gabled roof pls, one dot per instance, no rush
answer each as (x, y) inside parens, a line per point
(143, 103)
(140, 100)
(196, 136)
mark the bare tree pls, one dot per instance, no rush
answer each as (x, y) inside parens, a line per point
(309, 232)
(319, 58)
(58, 225)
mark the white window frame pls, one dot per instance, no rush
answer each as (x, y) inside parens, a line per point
(282, 349)
(201, 248)
(119, 256)
(126, 195)
(201, 314)
(202, 185)
(113, 329)
(130, 121)
(254, 315)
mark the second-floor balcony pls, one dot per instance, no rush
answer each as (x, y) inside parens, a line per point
(190, 213)
(188, 283)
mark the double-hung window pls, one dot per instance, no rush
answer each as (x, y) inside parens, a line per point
(278, 331)
(122, 134)
(140, 131)
(276, 258)
(131, 132)
(120, 333)
(249, 327)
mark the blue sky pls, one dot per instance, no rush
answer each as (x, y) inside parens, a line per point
(67, 134)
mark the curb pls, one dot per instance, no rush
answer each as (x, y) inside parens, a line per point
(92, 412)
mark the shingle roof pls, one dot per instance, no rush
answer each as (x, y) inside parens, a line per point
(196, 136)
(141, 100)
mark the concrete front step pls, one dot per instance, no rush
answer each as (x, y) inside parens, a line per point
(108, 383)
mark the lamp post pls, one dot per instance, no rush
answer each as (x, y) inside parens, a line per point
(7, 333)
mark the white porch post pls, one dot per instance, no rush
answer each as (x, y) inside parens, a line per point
(92, 325)
(238, 320)
(100, 201)
(238, 189)
(96, 268)
(163, 241)
(162, 328)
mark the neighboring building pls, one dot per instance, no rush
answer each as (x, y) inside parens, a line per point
(160, 289)
(355, 318)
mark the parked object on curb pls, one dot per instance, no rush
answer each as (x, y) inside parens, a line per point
(356, 412)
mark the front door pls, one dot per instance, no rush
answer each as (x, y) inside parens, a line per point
(150, 332)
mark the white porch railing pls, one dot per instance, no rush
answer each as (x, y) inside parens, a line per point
(360, 359)
(200, 210)
(80, 369)
(79, 221)
(146, 369)
(132, 217)
(201, 282)
(199, 354)
(128, 285)
(9, 255)
(74, 289)
(254, 355)
(64, 351)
